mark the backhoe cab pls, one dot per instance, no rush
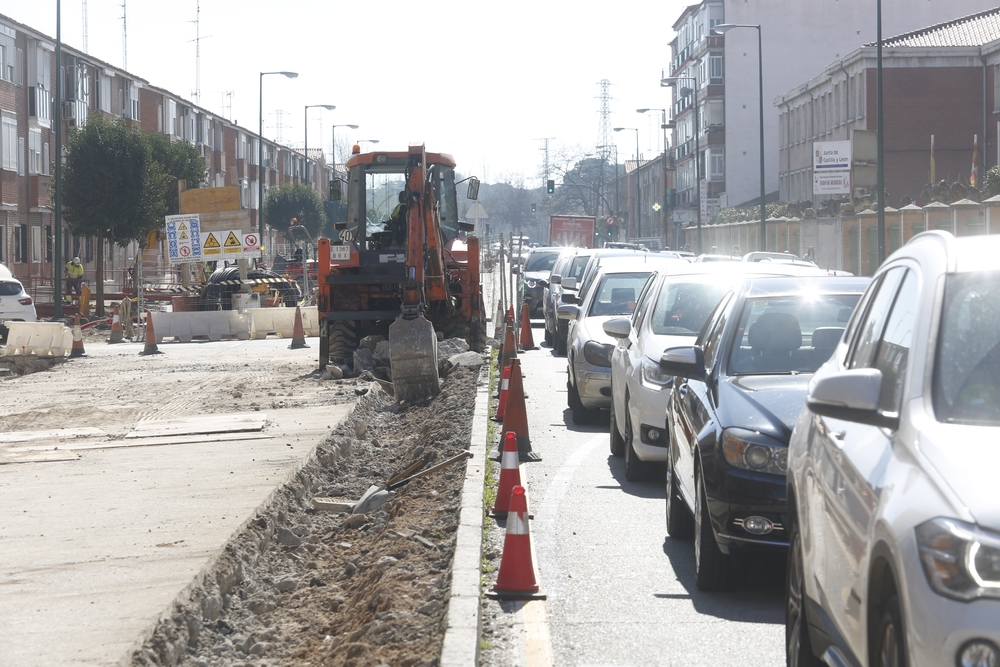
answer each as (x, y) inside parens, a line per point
(400, 267)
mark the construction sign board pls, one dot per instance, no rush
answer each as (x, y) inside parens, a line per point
(184, 238)
(229, 244)
(210, 200)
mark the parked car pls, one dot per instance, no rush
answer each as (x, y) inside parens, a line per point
(736, 394)
(714, 258)
(588, 354)
(570, 264)
(670, 312)
(535, 277)
(894, 522)
(760, 255)
(15, 303)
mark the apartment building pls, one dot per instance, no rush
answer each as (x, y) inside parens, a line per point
(28, 71)
(938, 82)
(798, 39)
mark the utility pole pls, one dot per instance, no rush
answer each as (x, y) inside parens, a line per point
(124, 38)
(545, 168)
(604, 139)
(86, 48)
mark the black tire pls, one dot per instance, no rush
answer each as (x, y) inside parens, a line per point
(714, 570)
(798, 646)
(636, 470)
(548, 337)
(561, 334)
(581, 415)
(680, 523)
(888, 646)
(343, 340)
(617, 441)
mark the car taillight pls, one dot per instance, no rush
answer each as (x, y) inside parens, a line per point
(26, 301)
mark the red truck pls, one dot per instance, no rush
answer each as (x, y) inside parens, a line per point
(572, 231)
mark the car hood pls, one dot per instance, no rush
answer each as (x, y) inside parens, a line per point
(769, 404)
(536, 275)
(592, 328)
(967, 457)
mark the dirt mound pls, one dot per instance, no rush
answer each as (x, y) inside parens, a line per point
(298, 586)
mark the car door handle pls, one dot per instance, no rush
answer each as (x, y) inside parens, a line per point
(683, 389)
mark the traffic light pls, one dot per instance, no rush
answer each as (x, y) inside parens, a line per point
(550, 187)
(532, 208)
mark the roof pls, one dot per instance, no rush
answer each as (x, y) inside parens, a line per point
(973, 30)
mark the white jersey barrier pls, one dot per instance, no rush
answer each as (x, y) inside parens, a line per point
(281, 321)
(41, 339)
(210, 324)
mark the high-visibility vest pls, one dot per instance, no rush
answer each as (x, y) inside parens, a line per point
(74, 271)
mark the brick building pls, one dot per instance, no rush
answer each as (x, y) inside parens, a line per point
(28, 71)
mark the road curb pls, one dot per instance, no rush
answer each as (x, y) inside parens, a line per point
(462, 630)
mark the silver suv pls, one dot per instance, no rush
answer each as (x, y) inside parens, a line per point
(15, 304)
(892, 473)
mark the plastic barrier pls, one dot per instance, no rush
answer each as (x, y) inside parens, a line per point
(211, 324)
(41, 339)
(281, 321)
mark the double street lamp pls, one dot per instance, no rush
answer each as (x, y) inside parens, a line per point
(638, 198)
(663, 125)
(722, 28)
(260, 158)
(333, 139)
(328, 107)
(669, 82)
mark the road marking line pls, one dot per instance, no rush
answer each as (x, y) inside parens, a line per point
(537, 642)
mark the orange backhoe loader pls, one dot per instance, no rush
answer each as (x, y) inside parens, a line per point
(400, 267)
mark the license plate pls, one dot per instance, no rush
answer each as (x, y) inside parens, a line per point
(340, 252)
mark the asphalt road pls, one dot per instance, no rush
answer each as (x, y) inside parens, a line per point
(620, 592)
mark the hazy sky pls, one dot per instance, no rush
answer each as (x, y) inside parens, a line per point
(483, 81)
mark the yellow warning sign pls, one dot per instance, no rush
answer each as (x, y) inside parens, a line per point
(182, 227)
(183, 236)
(233, 244)
(232, 241)
(211, 241)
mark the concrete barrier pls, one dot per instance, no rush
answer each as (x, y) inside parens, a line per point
(281, 321)
(211, 324)
(41, 339)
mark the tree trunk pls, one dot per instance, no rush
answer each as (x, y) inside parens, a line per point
(99, 277)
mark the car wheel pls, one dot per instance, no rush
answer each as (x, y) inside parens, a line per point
(617, 441)
(548, 336)
(680, 523)
(562, 331)
(713, 570)
(798, 648)
(581, 414)
(889, 645)
(635, 469)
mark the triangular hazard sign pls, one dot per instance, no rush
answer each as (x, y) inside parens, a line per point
(211, 241)
(183, 226)
(233, 242)
(184, 236)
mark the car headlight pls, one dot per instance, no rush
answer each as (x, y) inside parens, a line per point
(652, 376)
(598, 354)
(531, 283)
(961, 560)
(752, 451)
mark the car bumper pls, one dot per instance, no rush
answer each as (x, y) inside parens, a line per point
(594, 385)
(648, 408)
(737, 495)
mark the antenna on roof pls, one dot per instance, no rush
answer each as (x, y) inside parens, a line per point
(197, 52)
(85, 48)
(124, 38)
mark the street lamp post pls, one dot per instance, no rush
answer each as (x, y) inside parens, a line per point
(721, 28)
(333, 140)
(663, 125)
(328, 107)
(638, 196)
(260, 158)
(617, 205)
(671, 81)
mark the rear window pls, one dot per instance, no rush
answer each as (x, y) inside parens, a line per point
(967, 364)
(617, 293)
(8, 288)
(541, 261)
(683, 306)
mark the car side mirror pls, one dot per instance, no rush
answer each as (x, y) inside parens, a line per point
(543, 283)
(687, 361)
(618, 327)
(473, 190)
(515, 269)
(569, 283)
(569, 297)
(851, 395)
(555, 280)
(336, 190)
(568, 312)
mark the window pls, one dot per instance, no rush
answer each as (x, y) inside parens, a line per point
(34, 150)
(104, 92)
(4, 62)
(713, 334)
(36, 244)
(20, 156)
(241, 147)
(8, 140)
(21, 243)
(894, 348)
(715, 69)
(48, 243)
(254, 147)
(134, 101)
(46, 161)
(873, 321)
(718, 165)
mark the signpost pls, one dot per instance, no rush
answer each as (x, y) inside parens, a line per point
(184, 242)
(831, 167)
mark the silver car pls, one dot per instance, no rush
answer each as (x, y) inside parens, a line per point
(892, 473)
(15, 304)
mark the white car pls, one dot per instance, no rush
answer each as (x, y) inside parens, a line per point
(15, 304)
(892, 473)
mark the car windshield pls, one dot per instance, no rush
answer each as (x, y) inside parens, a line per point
(967, 364)
(617, 293)
(541, 261)
(683, 305)
(9, 288)
(789, 334)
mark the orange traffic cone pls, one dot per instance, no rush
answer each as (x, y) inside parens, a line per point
(150, 347)
(116, 327)
(509, 349)
(516, 415)
(516, 578)
(77, 350)
(502, 403)
(526, 340)
(510, 476)
(298, 333)
(510, 312)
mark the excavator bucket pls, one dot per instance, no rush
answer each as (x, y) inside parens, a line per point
(413, 350)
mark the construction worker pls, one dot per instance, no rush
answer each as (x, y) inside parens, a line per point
(397, 222)
(74, 278)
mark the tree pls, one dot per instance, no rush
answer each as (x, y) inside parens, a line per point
(179, 161)
(112, 187)
(294, 200)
